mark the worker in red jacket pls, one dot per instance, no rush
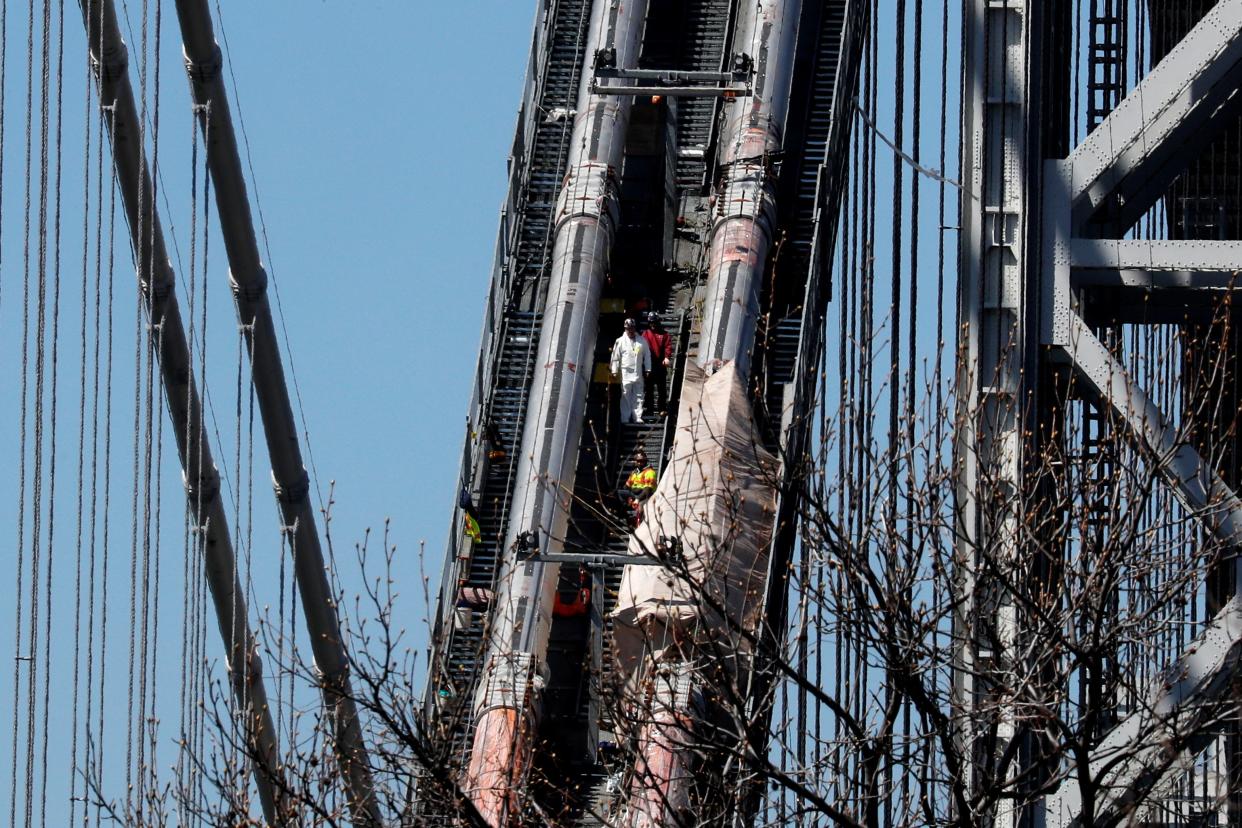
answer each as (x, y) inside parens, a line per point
(660, 344)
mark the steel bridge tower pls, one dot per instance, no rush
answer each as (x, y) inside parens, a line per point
(1070, 245)
(1018, 605)
(1077, 253)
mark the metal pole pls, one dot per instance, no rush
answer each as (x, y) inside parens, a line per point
(156, 281)
(998, 368)
(745, 198)
(586, 217)
(249, 283)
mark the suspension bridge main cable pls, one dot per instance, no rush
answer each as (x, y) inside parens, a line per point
(157, 287)
(204, 64)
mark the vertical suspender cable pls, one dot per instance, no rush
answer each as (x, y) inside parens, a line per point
(74, 767)
(37, 488)
(249, 283)
(105, 545)
(153, 583)
(53, 420)
(23, 430)
(4, 62)
(156, 281)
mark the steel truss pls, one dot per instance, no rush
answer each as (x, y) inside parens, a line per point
(1089, 201)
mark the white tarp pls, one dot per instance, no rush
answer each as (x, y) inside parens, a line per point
(717, 496)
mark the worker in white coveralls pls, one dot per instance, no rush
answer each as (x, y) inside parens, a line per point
(631, 363)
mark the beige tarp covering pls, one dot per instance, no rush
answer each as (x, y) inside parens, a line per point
(717, 495)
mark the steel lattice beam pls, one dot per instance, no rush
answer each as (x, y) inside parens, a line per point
(1107, 183)
(1128, 162)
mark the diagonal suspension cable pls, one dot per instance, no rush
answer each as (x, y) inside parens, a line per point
(109, 59)
(249, 282)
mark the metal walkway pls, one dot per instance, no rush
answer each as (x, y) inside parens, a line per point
(458, 638)
(576, 717)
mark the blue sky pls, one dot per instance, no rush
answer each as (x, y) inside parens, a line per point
(378, 134)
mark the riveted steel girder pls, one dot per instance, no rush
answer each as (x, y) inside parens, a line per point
(1142, 263)
(1128, 162)
(1107, 183)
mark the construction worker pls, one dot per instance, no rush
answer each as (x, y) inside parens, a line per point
(631, 363)
(639, 486)
(580, 603)
(470, 521)
(660, 344)
(495, 444)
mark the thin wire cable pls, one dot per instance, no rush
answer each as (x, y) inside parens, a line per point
(156, 413)
(18, 658)
(53, 419)
(37, 488)
(4, 63)
(75, 766)
(105, 563)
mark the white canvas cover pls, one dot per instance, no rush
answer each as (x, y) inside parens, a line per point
(717, 495)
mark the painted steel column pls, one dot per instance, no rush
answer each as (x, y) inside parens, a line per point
(506, 706)
(249, 283)
(156, 281)
(995, 332)
(745, 198)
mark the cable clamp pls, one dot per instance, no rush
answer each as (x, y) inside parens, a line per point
(251, 289)
(204, 71)
(295, 491)
(112, 65)
(205, 490)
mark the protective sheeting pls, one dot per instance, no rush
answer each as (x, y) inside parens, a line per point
(662, 777)
(717, 496)
(494, 770)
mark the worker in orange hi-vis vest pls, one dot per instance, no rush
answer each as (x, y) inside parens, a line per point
(631, 363)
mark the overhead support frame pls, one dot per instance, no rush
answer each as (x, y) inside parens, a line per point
(673, 83)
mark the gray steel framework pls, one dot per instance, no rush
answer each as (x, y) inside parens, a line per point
(996, 348)
(1108, 182)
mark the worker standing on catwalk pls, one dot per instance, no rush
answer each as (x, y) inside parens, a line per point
(631, 362)
(660, 344)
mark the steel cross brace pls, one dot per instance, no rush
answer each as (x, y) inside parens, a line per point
(1147, 265)
(1107, 183)
(1128, 162)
